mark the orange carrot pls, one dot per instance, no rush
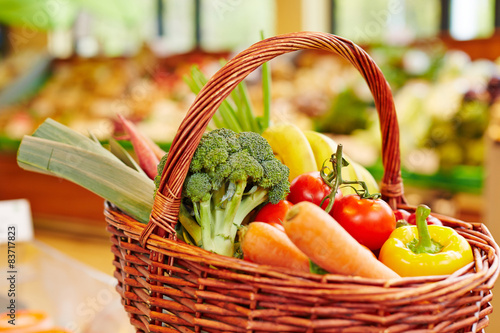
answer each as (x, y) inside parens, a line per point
(264, 244)
(148, 159)
(329, 245)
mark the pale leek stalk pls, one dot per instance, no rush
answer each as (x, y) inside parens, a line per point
(59, 151)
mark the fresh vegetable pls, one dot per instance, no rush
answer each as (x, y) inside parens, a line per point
(423, 250)
(56, 150)
(404, 215)
(143, 147)
(324, 147)
(329, 245)
(431, 220)
(273, 213)
(401, 215)
(311, 187)
(237, 112)
(229, 176)
(290, 145)
(367, 218)
(369, 221)
(263, 244)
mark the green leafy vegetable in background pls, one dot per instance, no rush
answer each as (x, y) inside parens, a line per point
(459, 140)
(346, 114)
(236, 112)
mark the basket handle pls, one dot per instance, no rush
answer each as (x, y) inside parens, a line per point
(167, 201)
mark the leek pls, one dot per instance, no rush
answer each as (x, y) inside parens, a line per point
(56, 150)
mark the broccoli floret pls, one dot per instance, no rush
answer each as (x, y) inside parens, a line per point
(160, 168)
(231, 139)
(198, 187)
(214, 148)
(256, 145)
(230, 175)
(243, 167)
(273, 174)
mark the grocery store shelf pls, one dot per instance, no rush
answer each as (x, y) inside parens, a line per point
(468, 179)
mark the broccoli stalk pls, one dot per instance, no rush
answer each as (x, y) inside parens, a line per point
(230, 175)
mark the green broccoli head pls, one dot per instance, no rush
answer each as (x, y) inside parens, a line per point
(198, 187)
(279, 191)
(246, 157)
(275, 172)
(256, 145)
(231, 137)
(160, 168)
(229, 176)
(244, 167)
(214, 148)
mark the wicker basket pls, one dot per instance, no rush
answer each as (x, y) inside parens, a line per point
(169, 286)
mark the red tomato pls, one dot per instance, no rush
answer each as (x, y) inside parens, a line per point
(369, 221)
(401, 214)
(274, 214)
(431, 220)
(310, 187)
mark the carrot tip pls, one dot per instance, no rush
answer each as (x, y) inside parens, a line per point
(292, 212)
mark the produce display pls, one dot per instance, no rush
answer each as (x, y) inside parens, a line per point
(309, 90)
(444, 102)
(12, 67)
(87, 94)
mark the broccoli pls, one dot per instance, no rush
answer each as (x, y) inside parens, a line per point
(160, 168)
(229, 176)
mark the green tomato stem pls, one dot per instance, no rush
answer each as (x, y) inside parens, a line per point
(337, 177)
(425, 243)
(334, 180)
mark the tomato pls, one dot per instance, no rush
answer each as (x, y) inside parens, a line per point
(274, 214)
(402, 214)
(431, 220)
(369, 221)
(310, 187)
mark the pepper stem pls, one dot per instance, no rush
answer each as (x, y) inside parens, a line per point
(425, 243)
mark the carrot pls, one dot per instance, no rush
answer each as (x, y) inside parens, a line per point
(148, 159)
(329, 245)
(264, 244)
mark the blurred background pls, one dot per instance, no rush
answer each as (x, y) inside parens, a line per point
(83, 62)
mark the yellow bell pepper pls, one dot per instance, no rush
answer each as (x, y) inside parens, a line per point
(424, 250)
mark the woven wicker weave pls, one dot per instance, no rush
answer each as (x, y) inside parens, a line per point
(169, 286)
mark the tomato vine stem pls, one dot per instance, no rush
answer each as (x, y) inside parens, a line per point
(333, 178)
